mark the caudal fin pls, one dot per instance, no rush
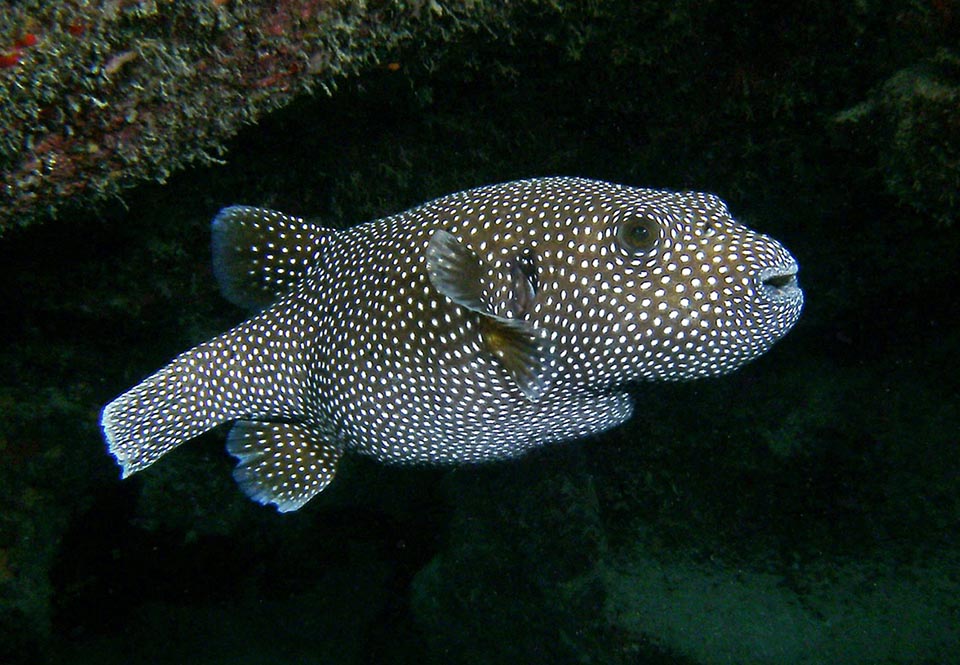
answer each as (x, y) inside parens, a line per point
(227, 378)
(251, 372)
(167, 408)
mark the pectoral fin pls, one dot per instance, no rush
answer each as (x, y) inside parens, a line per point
(458, 273)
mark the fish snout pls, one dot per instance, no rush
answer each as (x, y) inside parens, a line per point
(779, 283)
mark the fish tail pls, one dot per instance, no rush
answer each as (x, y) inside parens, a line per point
(212, 383)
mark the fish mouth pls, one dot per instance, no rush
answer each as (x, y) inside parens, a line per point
(779, 282)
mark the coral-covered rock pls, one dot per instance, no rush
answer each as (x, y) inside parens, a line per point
(912, 124)
(99, 96)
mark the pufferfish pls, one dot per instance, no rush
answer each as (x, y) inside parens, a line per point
(471, 328)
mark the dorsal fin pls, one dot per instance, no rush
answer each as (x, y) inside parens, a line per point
(260, 255)
(457, 272)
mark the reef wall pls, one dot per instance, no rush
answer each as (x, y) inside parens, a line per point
(99, 96)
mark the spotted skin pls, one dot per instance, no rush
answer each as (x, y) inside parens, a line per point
(471, 328)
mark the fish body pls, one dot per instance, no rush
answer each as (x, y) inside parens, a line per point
(471, 328)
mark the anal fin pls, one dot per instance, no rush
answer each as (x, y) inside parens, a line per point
(285, 464)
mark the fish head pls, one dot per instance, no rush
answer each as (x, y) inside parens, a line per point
(667, 286)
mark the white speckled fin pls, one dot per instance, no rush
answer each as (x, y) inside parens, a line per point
(259, 255)
(193, 393)
(458, 273)
(285, 464)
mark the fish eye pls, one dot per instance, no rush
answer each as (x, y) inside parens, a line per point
(638, 234)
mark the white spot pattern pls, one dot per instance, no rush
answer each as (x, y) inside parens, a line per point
(365, 354)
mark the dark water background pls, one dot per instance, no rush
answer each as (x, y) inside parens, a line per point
(802, 510)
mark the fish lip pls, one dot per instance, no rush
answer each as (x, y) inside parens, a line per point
(779, 282)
